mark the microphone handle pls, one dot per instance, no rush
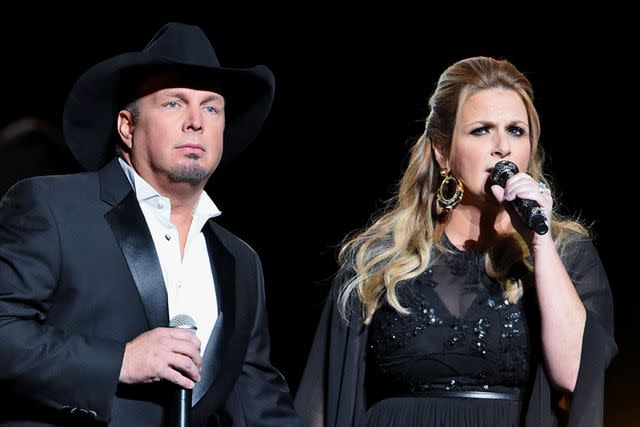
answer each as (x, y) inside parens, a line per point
(181, 412)
(532, 214)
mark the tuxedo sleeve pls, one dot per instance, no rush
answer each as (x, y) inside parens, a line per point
(49, 366)
(261, 395)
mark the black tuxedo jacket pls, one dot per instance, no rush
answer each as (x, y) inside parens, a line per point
(80, 277)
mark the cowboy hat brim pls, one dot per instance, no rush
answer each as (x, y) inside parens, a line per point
(91, 108)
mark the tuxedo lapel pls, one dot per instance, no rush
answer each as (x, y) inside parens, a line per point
(223, 266)
(130, 229)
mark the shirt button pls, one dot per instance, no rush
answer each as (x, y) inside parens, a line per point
(167, 236)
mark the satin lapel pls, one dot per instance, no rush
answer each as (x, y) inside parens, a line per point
(223, 265)
(130, 228)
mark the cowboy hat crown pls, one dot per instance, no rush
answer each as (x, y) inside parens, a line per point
(184, 44)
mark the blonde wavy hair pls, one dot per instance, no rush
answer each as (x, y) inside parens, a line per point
(398, 245)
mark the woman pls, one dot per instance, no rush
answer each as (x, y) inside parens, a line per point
(449, 310)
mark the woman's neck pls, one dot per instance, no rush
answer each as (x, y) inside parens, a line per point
(469, 227)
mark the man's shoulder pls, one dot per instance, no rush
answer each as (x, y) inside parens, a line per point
(52, 186)
(66, 196)
(47, 182)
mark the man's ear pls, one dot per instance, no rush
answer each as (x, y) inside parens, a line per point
(125, 126)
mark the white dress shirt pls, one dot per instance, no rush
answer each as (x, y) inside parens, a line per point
(188, 279)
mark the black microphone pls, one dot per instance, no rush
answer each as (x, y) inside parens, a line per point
(529, 210)
(181, 405)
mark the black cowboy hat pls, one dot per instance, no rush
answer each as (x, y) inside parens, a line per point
(92, 106)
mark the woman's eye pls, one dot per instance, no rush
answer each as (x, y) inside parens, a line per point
(480, 131)
(516, 131)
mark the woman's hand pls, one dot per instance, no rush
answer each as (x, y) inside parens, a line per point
(522, 185)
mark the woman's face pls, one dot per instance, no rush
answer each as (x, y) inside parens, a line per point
(491, 125)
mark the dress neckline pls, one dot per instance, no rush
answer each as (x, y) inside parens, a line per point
(446, 242)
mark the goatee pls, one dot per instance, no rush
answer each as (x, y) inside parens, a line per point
(190, 172)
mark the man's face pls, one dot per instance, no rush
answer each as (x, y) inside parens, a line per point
(176, 135)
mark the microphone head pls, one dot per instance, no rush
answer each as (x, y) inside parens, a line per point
(502, 171)
(183, 321)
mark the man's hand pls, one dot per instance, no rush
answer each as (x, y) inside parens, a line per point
(171, 354)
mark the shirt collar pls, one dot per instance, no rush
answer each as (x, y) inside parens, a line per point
(204, 209)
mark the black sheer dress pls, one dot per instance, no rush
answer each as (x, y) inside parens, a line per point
(461, 335)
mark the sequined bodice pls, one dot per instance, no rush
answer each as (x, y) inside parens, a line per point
(461, 333)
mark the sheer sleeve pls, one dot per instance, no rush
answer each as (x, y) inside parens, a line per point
(310, 397)
(598, 344)
(331, 391)
(590, 279)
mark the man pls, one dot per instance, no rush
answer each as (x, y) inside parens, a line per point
(93, 266)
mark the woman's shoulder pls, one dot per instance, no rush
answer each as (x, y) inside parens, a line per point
(339, 283)
(577, 247)
(581, 259)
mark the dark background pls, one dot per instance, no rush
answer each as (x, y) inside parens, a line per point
(352, 86)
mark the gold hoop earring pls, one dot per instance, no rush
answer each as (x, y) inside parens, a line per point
(450, 191)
